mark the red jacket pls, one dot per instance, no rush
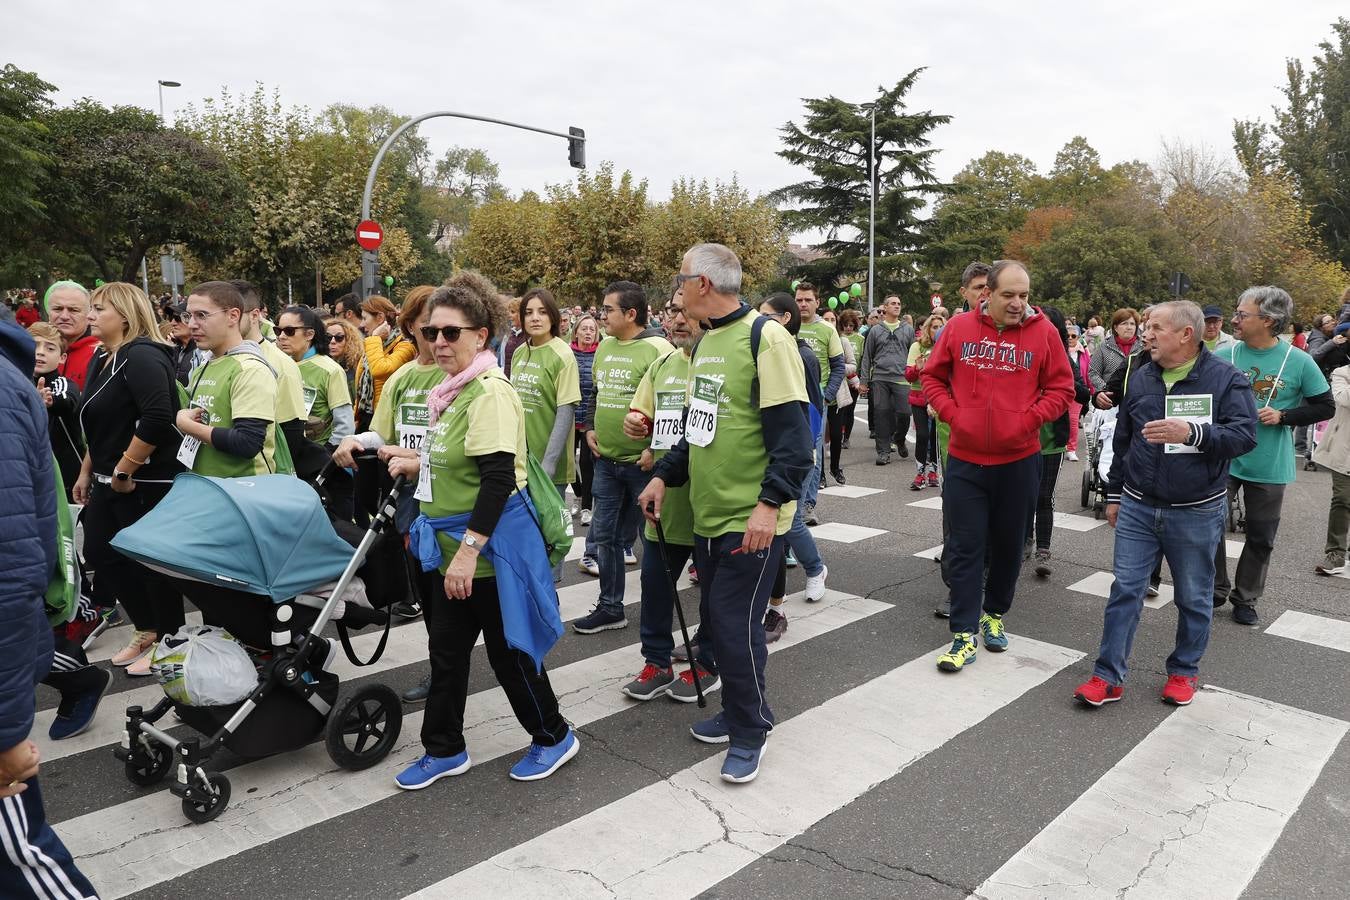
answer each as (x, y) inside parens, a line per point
(996, 389)
(78, 356)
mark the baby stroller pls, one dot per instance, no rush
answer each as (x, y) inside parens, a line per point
(1099, 431)
(255, 555)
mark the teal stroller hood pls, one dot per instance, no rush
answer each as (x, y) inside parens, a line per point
(264, 534)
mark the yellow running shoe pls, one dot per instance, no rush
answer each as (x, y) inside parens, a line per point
(991, 629)
(962, 653)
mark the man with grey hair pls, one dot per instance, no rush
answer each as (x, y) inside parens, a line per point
(1185, 416)
(67, 305)
(1290, 390)
(745, 453)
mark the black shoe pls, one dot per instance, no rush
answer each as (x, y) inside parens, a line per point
(838, 475)
(1219, 601)
(904, 451)
(1043, 569)
(419, 693)
(406, 609)
(944, 608)
(884, 459)
(1245, 614)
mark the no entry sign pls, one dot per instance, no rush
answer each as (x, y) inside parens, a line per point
(369, 235)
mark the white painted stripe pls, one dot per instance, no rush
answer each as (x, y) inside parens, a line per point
(1098, 584)
(931, 553)
(111, 642)
(407, 645)
(852, 491)
(1191, 811)
(1077, 523)
(144, 842)
(369, 235)
(844, 533)
(714, 829)
(929, 503)
(1233, 549)
(1319, 630)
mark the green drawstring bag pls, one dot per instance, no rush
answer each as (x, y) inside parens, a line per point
(63, 588)
(554, 519)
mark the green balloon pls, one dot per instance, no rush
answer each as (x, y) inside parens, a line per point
(855, 290)
(796, 282)
(834, 301)
(843, 298)
(98, 282)
(389, 281)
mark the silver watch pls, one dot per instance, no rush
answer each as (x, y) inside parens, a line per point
(475, 543)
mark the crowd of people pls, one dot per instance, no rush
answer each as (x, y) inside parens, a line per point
(705, 421)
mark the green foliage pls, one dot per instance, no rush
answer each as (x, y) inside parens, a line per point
(834, 145)
(594, 234)
(987, 200)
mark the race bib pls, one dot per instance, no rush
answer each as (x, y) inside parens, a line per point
(187, 451)
(701, 426)
(310, 395)
(423, 491)
(668, 426)
(412, 426)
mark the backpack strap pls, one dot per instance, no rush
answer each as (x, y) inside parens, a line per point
(756, 333)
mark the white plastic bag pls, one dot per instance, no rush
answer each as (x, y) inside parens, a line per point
(202, 665)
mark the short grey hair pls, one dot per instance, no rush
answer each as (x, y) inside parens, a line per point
(999, 267)
(719, 264)
(1273, 303)
(1183, 313)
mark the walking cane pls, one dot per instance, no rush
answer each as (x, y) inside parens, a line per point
(679, 610)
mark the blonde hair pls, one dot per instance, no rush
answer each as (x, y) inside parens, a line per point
(133, 306)
(46, 331)
(352, 347)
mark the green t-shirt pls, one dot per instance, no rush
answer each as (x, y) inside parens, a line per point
(1282, 377)
(856, 341)
(663, 389)
(485, 418)
(1170, 377)
(546, 378)
(324, 386)
(618, 368)
(401, 416)
(236, 386)
(725, 476)
(290, 396)
(824, 342)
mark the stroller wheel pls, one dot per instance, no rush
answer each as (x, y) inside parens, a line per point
(149, 767)
(364, 727)
(212, 804)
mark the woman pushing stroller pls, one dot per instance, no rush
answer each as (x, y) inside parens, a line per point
(496, 580)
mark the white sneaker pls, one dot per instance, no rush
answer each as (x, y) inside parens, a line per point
(1073, 456)
(815, 585)
(588, 565)
(585, 517)
(629, 559)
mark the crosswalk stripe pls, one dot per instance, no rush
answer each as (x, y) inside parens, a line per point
(715, 829)
(852, 491)
(1068, 521)
(1098, 584)
(407, 645)
(144, 842)
(1191, 810)
(931, 553)
(1310, 629)
(844, 533)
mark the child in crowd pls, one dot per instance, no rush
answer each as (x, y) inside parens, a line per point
(62, 399)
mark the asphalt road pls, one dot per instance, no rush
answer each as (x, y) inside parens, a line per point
(882, 780)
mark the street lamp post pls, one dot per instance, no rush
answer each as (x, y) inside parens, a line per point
(872, 213)
(162, 85)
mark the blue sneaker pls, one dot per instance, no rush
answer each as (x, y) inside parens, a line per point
(991, 629)
(742, 764)
(73, 718)
(598, 620)
(430, 769)
(714, 730)
(540, 761)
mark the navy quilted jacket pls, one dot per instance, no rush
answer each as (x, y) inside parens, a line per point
(27, 535)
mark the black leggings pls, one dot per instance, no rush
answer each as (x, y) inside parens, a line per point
(1045, 501)
(925, 435)
(585, 471)
(836, 420)
(849, 419)
(150, 599)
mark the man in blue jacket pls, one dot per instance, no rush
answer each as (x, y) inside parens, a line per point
(1186, 415)
(34, 862)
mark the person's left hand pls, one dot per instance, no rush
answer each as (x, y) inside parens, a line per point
(122, 487)
(646, 460)
(760, 528)
(1166, 431)
(459, 576)
(1268, 416)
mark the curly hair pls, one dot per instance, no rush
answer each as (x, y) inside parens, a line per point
(352, 350)
(476, 297)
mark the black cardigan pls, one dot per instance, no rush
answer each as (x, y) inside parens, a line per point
(133, 392)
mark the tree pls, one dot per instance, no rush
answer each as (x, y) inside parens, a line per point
(505, 241)
(834, 144)
(988, 200)
(1077, 175)
(461, 181)
(23, 103)
(121, 185)
(594, 234)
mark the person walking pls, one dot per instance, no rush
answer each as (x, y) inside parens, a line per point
(885, 354)
(1186, 416)
(1079, 358)
(1333, 454)
(745, 455)
(925, 434)
(997, 375)
(1290, 390)
(849, 324)
(585, 340)
(824, 342)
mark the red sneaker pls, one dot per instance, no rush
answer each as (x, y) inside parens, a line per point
(933, 478)
(1097, 690)
(1179, 689)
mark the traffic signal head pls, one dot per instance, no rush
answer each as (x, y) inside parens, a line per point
(576, 147)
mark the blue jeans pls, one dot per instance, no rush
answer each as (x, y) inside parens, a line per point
(812, 484)
(658, 600)
(803, 545)
(614, 524)
(1186, 538)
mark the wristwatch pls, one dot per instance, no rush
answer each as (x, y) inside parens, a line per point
(474, 543)
(121, 476)
(767, 502)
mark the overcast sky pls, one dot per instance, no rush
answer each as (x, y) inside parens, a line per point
(697, 88)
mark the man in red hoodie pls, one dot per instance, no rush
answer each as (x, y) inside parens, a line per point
(67, 305)
(997, 374)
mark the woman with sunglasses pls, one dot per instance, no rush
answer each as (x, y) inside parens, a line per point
(344, 348)
(477, 529)
(328, 405)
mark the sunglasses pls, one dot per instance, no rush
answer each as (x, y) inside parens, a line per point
(337, 338)
(290, 330)
(451, 333)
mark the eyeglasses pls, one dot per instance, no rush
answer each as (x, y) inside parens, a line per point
(337, 338)
(1240, 315)
(198, 316)
(681, 279)
(608, 310)
(451, 333)
(290, 330)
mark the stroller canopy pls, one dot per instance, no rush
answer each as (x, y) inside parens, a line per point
(265, 534)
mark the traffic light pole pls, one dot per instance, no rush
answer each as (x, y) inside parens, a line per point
(576, 139)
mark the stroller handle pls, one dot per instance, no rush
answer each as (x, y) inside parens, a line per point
(331, 466)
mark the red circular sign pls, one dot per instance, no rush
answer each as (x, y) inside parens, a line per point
(936, 300)
(369, 235)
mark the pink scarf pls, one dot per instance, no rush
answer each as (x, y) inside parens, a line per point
(443, 394)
